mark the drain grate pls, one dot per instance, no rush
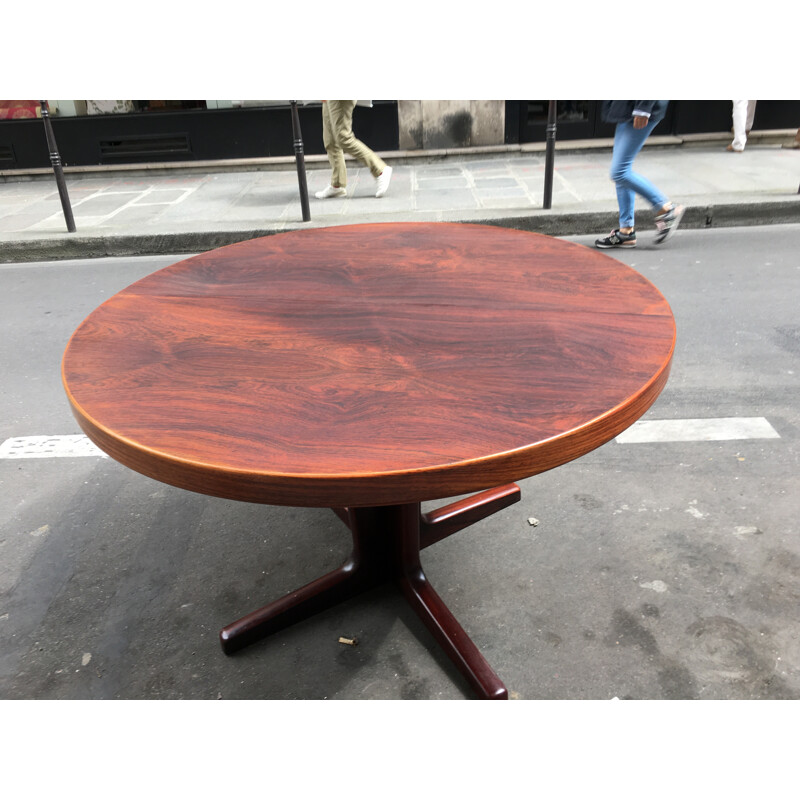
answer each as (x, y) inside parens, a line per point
(155, 146)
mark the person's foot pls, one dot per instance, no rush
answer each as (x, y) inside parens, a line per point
(730, 148)
(617, 239)
(331, 191)
(667, 222)
(383, 181)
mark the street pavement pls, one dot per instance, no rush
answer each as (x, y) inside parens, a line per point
(649, 569)
(646, 570)
(157, 208)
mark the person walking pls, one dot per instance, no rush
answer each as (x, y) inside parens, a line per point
(338, 138)
(635, 120)
(742, 113)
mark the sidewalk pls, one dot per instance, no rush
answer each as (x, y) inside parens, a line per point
(190, 208)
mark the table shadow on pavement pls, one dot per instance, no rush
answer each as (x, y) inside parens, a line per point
(126, 595)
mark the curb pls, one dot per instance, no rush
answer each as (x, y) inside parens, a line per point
(67, 246)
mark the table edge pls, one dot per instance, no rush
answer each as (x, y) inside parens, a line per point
(383, 488)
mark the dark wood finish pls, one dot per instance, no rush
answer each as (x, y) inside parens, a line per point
(445, 521)
(369, 364)
(386, 545)
(368, 368)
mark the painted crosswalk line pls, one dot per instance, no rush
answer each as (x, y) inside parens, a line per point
(643, 431)
(698, 430)
(49, 447)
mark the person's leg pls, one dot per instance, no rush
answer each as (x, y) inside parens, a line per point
(628, 141)
(332, 147)
(739, 125)
(341, 112)
(626, 197)
(751, 113)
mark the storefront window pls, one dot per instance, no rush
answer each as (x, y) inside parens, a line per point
(566, 111)
(134, 106)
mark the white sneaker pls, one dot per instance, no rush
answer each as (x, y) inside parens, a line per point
(383, 181)
(667, 223)
(331, 191)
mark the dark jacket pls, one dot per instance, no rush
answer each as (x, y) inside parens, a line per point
(622, 110)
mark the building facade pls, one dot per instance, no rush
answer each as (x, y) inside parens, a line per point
(107, 132)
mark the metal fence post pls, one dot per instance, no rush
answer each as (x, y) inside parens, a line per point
(550, 153)
(55, 160)
(301, 162)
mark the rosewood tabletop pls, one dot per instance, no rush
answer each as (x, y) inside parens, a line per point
(368, 368)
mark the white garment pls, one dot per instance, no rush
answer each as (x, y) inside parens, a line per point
(743, 113)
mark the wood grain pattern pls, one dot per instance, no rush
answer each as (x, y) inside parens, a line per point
(369, 364)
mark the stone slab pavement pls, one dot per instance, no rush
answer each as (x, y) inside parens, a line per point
(188, 208)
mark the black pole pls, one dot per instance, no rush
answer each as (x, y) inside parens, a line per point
(55, 160)
(550, 154)
(301, 162)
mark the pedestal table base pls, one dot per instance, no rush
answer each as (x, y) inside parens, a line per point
(386, 546)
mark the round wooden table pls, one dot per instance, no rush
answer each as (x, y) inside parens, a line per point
(367, 368)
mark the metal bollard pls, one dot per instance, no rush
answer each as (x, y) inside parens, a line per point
(55, 160)
(301, 162)
(550, 153)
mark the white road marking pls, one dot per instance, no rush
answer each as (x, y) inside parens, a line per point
(49, 447)
(92, 220)
(178, 196)
(698, 430)
(666, 430)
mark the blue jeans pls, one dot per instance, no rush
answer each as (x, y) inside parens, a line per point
(627, 143)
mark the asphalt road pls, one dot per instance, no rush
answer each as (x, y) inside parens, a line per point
(657, 569)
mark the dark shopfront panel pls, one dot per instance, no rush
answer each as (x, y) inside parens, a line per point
(185, 135)
(526, 120)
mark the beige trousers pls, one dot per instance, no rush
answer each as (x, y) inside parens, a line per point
(338, 138)
(743, 113)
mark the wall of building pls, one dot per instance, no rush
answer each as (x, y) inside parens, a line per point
(92, 132)
(438, 124)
